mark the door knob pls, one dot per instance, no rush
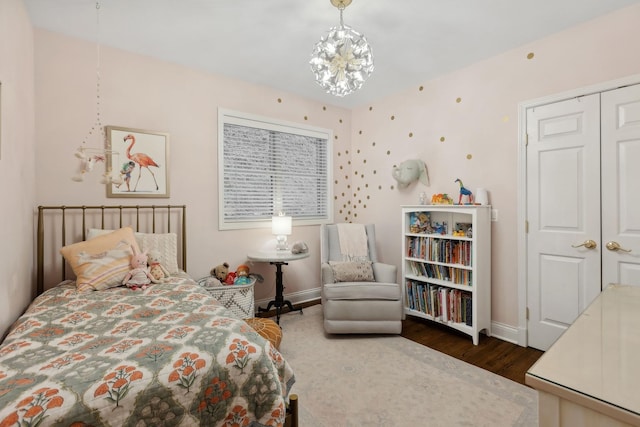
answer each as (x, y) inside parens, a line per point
(589, 244)
(615, 246)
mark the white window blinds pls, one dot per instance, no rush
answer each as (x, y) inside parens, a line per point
(268, 167)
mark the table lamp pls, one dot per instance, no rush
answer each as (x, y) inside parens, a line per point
(281, 227)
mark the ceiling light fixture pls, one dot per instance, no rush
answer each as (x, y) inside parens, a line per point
(341, 61)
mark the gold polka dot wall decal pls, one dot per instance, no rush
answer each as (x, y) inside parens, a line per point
(360, 132)
(349, 162)
(368, 197)
(366, 186)
(340, 120)
(355, 214)
(375, 172)
(421, 88)
(341, 167)
(410, 134)
(469, 156)
(346, 151)
(335, 137)
(370, 108)
(379, 187)
(391, 187)
(358, 151)
(393, 117)
(458, 100)
(349, 186)
(306, 118)
(358, 188)
(361, 175)
(373, 143)
(348, 202)
(342, 194)
(355, 172)
(346, 177)
(442, 139)
(324, 108)
(388, 152)
(530, 55)
(364, 206)
(339, 154)
(280, 100)
(364, 160)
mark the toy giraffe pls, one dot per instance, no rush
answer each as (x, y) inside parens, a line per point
(464, 192)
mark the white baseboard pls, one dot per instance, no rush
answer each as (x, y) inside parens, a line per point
(506, 333)
(294, 297)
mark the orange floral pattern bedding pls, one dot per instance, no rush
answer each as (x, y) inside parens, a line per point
(168, 355)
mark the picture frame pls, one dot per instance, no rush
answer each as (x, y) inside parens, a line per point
(141, 159)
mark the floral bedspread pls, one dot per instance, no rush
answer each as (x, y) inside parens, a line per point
(168, 355)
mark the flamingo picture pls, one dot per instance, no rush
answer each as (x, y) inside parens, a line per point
(143, 161)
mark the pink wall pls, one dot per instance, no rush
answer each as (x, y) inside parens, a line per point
(17, 151)
(145, 93)
(481, 131)
(480, 137)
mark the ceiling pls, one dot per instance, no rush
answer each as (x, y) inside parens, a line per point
(268, 42)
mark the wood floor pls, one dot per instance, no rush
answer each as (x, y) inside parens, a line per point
(500, 357)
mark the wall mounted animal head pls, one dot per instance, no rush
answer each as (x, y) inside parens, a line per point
(409, 171)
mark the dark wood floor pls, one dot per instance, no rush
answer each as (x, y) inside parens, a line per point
(500, 357)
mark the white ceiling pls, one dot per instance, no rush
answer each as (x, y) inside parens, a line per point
(269, 41)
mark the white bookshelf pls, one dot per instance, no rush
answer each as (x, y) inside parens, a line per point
(446, 278)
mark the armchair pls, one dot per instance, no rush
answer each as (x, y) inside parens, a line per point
(358, 307)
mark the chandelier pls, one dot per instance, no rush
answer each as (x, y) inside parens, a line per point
(341, 61)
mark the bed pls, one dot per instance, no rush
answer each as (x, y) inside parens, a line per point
(88, 354)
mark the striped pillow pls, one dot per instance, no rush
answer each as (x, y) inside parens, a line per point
(102, 262)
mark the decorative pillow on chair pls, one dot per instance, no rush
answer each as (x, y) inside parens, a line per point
(352, 271)
(102, 262)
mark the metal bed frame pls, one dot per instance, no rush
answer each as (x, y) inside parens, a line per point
(146, 219)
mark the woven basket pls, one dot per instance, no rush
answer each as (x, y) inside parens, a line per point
(237, 298)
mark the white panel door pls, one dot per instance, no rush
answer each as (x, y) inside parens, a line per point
(621, 186)
(563, 214)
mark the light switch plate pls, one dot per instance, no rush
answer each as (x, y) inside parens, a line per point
(494, 215)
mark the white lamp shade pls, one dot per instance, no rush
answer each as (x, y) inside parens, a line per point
(281, 225)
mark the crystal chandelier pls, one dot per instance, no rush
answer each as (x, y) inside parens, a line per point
(342, 60)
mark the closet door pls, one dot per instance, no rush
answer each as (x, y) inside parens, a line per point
(563, 215)
(621, 186)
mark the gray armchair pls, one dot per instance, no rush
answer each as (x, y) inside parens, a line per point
(361, 307)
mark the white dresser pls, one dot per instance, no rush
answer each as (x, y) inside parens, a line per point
(591, 375)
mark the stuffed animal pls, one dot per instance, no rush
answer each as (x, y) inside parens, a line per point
(220, 272)
(139, 275)
(242, 275)
(156, 268)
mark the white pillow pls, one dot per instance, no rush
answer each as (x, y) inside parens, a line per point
(352, 271)
(166, 244)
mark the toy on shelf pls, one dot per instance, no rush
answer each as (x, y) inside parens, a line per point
(464, 192)
(441, 199)
(421, 223)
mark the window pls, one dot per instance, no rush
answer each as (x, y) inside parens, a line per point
(267, 166)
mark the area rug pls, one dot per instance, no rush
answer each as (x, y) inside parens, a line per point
(392, 381)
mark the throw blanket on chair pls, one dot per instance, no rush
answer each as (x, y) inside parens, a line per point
(353, 242)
